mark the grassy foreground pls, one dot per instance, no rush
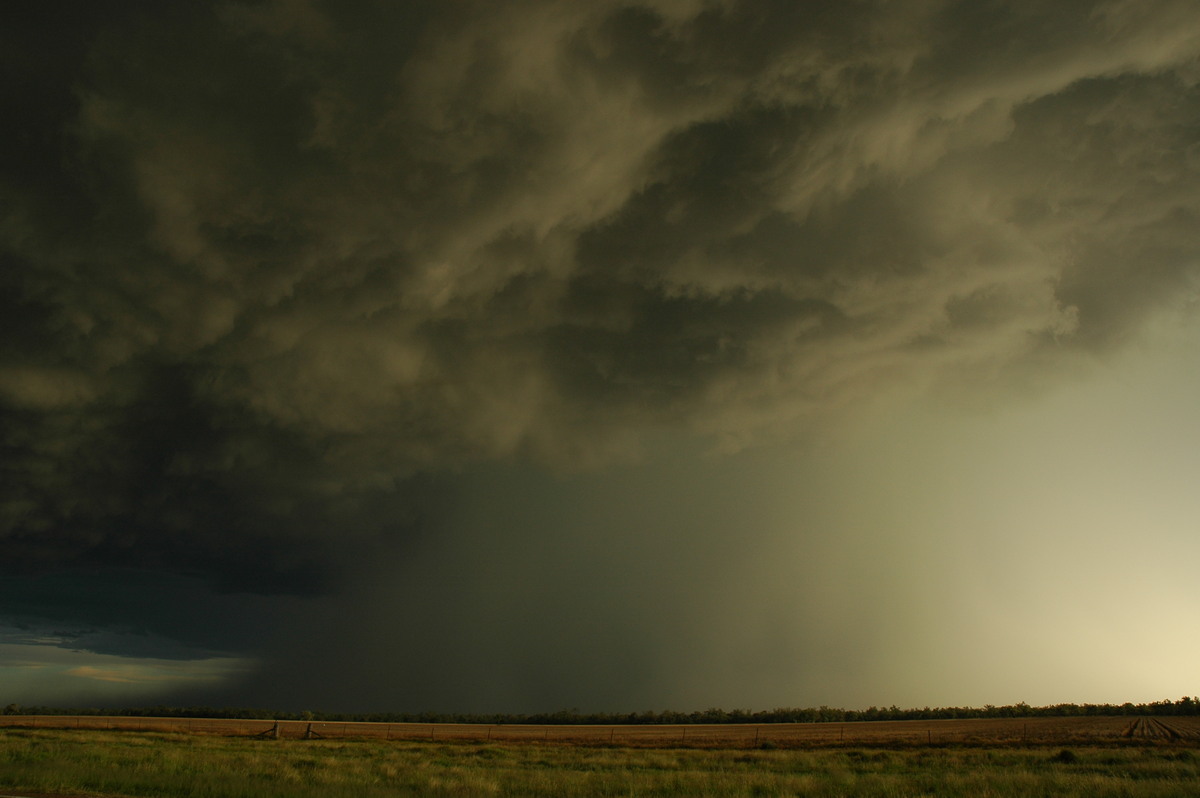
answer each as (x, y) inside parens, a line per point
(163, 765)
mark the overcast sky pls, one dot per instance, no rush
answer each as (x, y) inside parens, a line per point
(520, 356)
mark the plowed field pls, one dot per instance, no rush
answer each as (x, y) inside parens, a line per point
(989, 731)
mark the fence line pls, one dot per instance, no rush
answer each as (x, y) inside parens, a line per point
(1029, 731)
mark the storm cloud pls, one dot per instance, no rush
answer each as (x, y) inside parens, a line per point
(282, 279)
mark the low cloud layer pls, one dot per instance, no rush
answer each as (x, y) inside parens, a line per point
(275, 273)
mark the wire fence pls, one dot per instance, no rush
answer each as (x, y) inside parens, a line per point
(975, 731)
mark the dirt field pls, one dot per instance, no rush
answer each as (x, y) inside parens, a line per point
(1031, 731)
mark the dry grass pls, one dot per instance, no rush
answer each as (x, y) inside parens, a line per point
(982, 731)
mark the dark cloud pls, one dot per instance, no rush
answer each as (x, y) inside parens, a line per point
(164, 479)
(107, 612)
(274, 273)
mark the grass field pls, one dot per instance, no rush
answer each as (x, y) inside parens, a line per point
(123, 763)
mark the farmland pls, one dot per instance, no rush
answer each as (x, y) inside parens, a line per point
(1038, 731)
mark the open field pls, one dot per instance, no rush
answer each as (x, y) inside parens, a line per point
(976, 731)
(174, 765)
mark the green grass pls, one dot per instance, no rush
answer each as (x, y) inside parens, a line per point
(165, 765)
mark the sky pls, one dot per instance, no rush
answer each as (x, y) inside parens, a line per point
(609, 356)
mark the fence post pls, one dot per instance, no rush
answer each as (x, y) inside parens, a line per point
(756, 730)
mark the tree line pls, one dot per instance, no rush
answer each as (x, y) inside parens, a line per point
(1188, 705)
